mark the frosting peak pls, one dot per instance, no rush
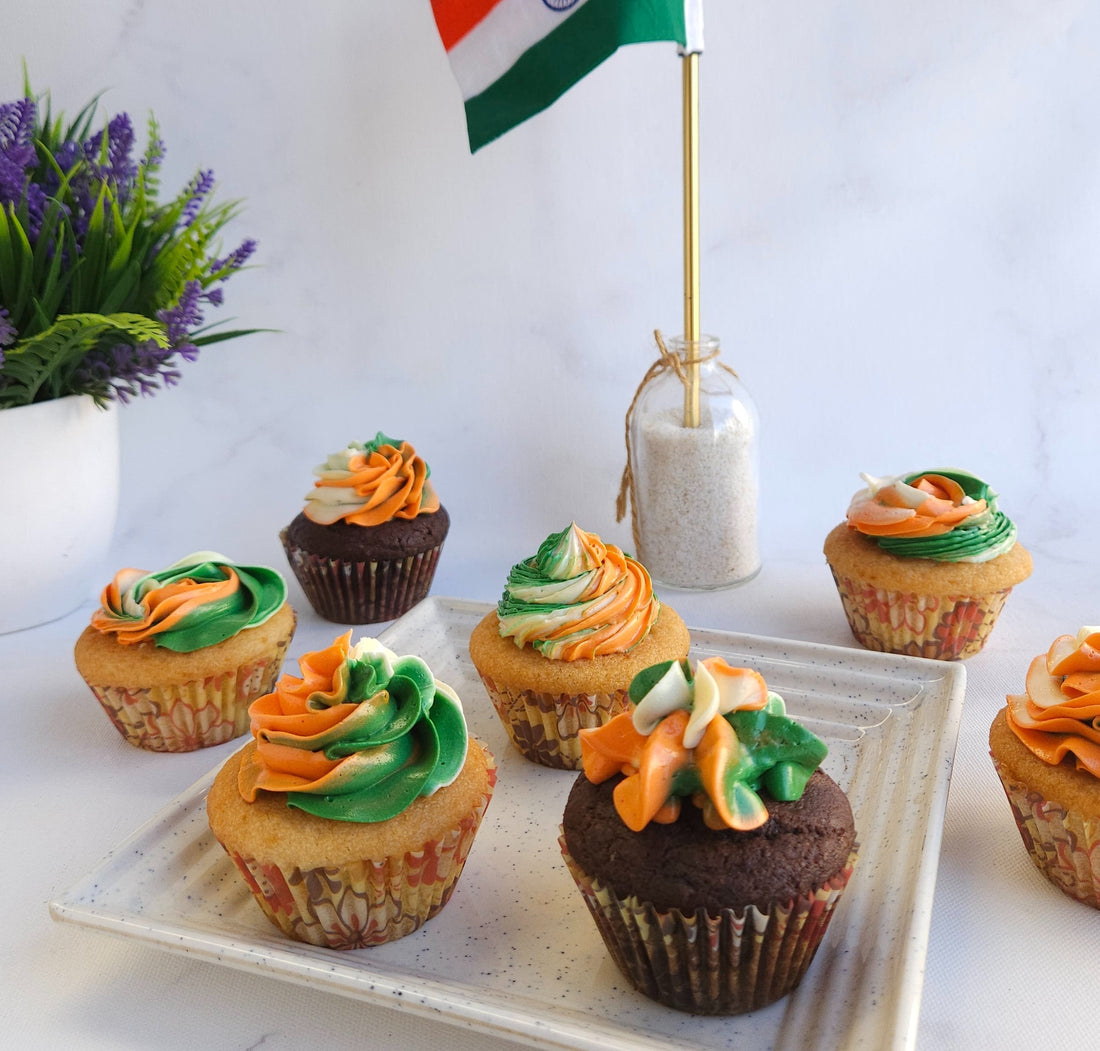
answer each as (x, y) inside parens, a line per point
(945, 515)
(370, 483)
(358, 737)
(1059, 715)
(199, 601)
(717, 737)
(578, 597)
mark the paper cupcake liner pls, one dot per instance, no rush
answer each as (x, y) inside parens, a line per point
(716, 963)
(1064, 844)
(191, 715)
(366, 592)
(365, 902)
(545, 727)
(946, 628)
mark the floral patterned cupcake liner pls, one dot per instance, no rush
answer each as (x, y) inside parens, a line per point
(367, 592)
(367, 902)
(545, 727)
(943, 627)
(191, 715)
(1064, 844)
(721, 963)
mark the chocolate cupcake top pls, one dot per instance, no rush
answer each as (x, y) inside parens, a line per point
(199, 601)
(1059, 715)
(706, 795)
(578, 597)
(358, 737)
(368, 484)
(942, 515)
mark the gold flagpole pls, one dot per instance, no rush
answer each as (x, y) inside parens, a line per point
(691, 235)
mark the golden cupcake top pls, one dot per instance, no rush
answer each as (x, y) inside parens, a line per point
(943, 515)
(578, 597)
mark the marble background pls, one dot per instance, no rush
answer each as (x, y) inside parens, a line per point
(900, 253)
(901, 256)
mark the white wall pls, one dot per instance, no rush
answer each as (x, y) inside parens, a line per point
(901, 255)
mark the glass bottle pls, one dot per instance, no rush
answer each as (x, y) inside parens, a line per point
(695, 488)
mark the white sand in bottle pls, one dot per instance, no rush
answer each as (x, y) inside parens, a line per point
(695, 489)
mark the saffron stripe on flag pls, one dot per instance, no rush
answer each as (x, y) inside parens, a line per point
(455, 18)
(488, 50)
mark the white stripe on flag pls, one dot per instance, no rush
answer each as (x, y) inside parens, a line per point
(492, 47)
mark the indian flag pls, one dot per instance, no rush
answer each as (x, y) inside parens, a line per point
(512, 58)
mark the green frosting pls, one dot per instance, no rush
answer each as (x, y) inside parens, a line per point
(976, 539)
(407, 738)
(260, 596)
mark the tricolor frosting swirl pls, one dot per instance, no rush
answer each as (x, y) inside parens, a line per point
(358, 737)
(578, 597)
(944, 515)
(1059, 715)
(368, 484)
(718, 737)
(199, 601)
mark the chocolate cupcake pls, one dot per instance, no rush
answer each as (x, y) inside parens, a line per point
(366, 545)
(710, 848)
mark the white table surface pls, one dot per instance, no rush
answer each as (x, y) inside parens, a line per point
(1000, 933)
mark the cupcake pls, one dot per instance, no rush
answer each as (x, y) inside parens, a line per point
(1045, 746)
(176, 657)
(709, 847)
(366, 545)
(576, 623)
(924, 563)
(352, 811)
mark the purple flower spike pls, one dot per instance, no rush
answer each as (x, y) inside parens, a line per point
(235, 260)
(198, 188)
(7, 331)
(16, 148)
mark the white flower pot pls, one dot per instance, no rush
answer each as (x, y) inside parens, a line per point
(59, 468)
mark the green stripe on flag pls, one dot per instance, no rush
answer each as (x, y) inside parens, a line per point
(548, 69)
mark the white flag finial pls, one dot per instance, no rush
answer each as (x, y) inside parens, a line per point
(693, 26)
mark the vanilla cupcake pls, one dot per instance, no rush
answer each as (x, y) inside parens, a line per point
(366, 545)
(1045, 746)
(175, 657)
(351, 813)
(709, 846)
(577, 621)
(924, 563)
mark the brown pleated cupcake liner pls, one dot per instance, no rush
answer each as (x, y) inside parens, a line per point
(366, 592)
(545, 727)
(948, 628)
(366, 902)
(1064, 844)
(185, 717)
(713, 963)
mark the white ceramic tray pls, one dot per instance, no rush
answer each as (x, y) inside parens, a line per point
(515, 952)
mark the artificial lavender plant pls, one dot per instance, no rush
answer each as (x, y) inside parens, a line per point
(102, 289)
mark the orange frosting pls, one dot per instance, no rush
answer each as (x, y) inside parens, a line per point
(371, 484)
(286, 710)
(890, 511)
(1059, 715)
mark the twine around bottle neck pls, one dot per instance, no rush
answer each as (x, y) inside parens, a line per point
(667, 361)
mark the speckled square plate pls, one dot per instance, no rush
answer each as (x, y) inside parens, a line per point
(515, 952)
